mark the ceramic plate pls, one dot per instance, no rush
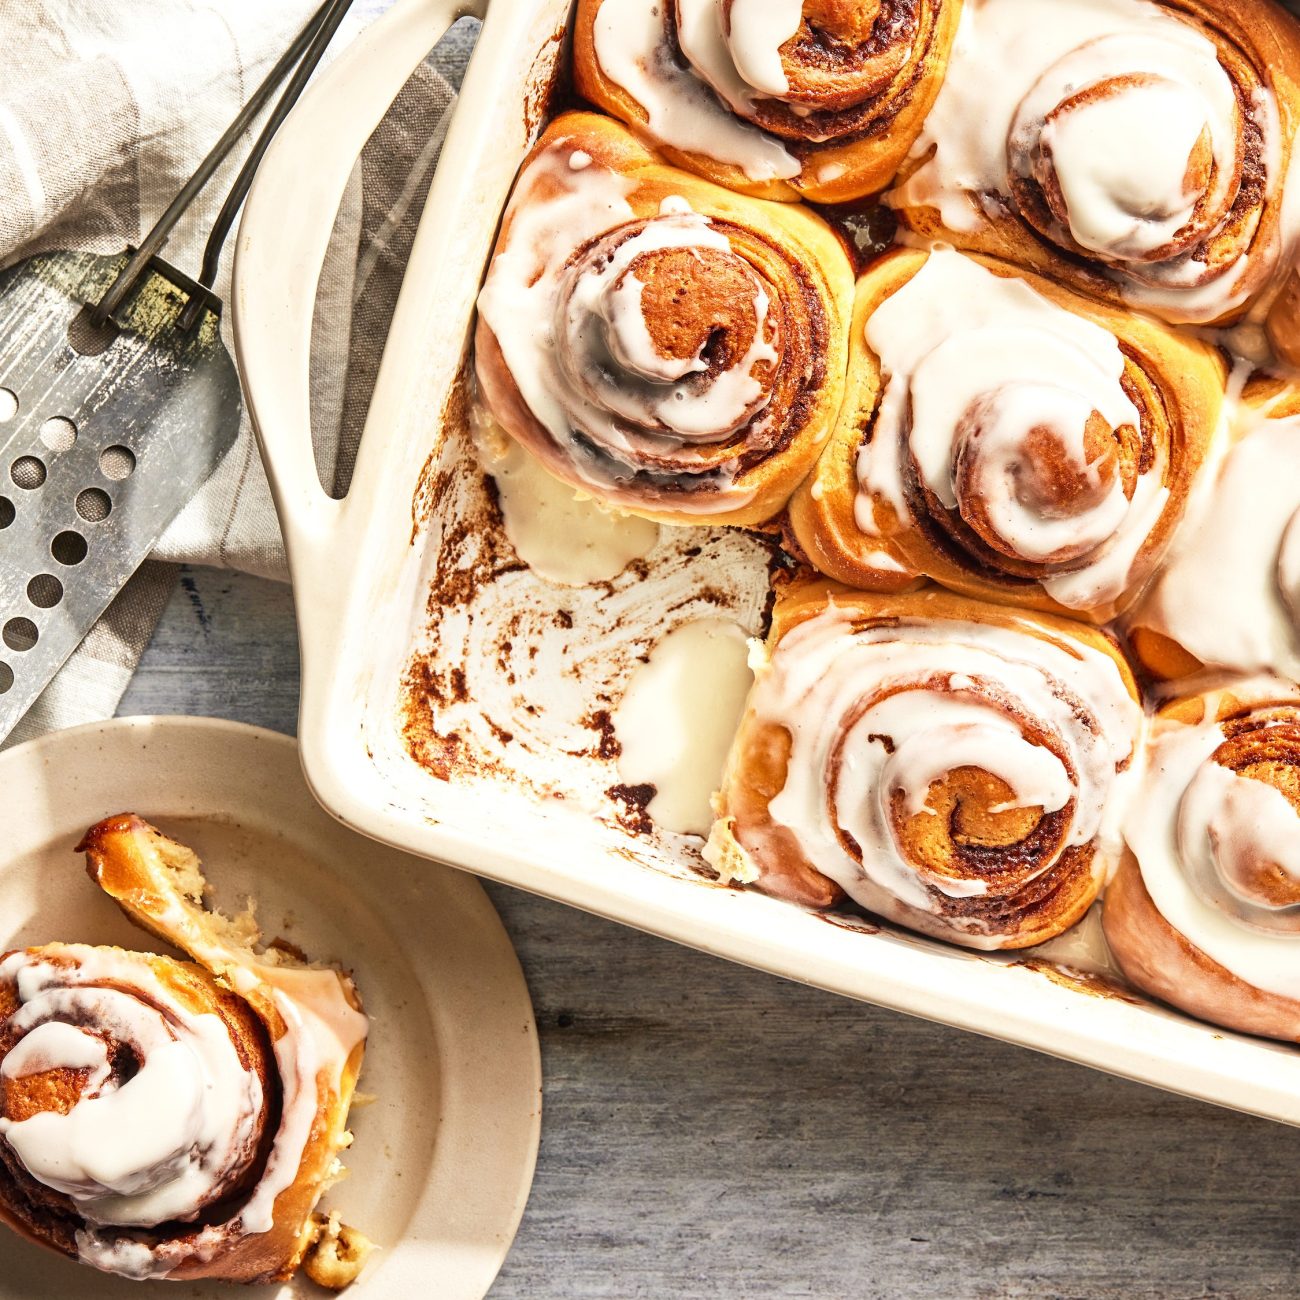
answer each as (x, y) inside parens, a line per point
(443, 1157)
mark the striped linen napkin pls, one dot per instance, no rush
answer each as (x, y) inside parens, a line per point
(105, 111)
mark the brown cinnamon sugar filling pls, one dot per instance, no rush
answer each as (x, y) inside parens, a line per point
(851, 68)
(971, 832)
(1264, 746)
(1048, 481)
(714, 307)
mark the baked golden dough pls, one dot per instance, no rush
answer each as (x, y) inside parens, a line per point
(943, 762)
(1060, 471)
(859, 77)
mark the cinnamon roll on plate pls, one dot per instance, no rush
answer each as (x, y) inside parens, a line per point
(953, 766)
(1204, 912)
(1141, 150)
(783, 99)
(175, 1089)
(177, 1119)
(1006, 438)
(665, 346)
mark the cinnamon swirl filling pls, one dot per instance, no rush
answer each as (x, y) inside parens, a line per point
(171, 1119)
(1006, 441)
(843, 70)
(1206, 910)
(683, 348)
(943, 767)
(777, 97)
(134, 1092)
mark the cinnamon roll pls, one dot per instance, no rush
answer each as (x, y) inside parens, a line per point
(782, 99)
(949, 765)
(175, 1119)
(1141, 150)
(1205, 909)
(1229, 595)
(662, 345)
(1006, 438)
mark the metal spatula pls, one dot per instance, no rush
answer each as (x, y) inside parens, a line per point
(117, 401)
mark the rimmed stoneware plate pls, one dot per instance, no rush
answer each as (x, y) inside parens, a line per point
(444, 1155)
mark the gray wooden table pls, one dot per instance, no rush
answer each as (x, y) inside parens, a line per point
(711, 1132)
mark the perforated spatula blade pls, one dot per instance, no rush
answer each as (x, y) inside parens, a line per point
(105, 435)
(117, 400)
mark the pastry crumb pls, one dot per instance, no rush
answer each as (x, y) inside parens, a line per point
(337, 1253)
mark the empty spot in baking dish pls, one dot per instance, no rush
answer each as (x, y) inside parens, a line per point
(512, 683)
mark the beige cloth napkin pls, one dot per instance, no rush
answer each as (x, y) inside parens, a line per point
(106, 107)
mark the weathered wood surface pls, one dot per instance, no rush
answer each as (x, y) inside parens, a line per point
(711, 1132)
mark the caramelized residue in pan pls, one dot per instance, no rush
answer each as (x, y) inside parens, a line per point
(515, 680)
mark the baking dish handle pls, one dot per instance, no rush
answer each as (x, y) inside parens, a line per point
(283, 236)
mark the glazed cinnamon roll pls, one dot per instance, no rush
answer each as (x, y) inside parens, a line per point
(949, 765)
(1007, 439)
(782, 99)
(1141, 150)
(1205, 909)
(662, 345)
(175, 1119)
(1229, 595)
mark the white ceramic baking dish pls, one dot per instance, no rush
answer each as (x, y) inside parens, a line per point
(373, 581)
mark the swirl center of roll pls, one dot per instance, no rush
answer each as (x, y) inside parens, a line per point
(1128, 148)
(140, 1111)
(1124, 164)
(976, 800)
(1038, 475)
(1031, 466)
(1015, 438)
(663, 324)
(683, 311)
(1239, 825)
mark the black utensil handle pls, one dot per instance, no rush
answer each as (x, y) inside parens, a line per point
(304, 54)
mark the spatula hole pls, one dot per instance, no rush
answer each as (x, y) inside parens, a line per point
(28, 472)
(69, 548)
(59, 434)
(20, 634)
(94, 504)
(117, 463)
(45, 591)
(8, 404)
(6, 678)
(88, 338)
(7, 512)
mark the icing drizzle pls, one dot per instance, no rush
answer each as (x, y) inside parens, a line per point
(882, 715)
(1115, 131)
(1228, 593)
(994, 399)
